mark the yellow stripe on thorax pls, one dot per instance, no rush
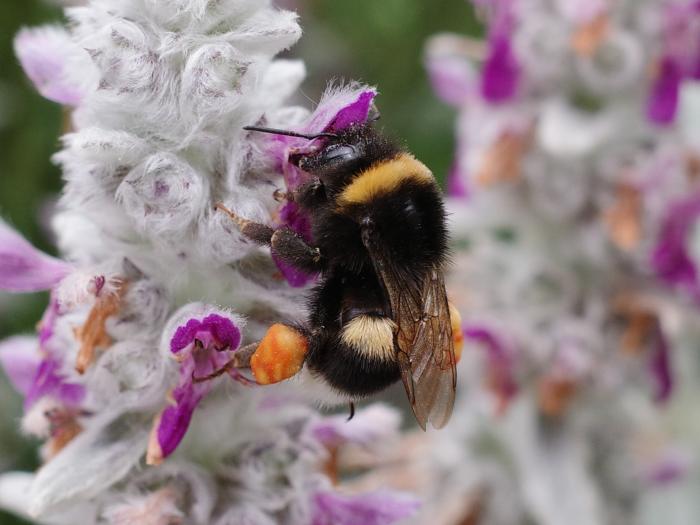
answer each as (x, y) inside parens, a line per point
(383, 178)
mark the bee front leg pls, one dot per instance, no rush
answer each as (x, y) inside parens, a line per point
(255, 231)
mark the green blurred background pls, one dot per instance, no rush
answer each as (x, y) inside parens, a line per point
(379, 42)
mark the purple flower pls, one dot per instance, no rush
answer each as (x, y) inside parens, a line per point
(49, 382)
(20, 360)
(455, 184)
(670, 258)
(663, 99)
(450, 73)
(36, 376)
(44, 53)
(201, 346)
(501, 365)
(23, 268)
(501, 73)
(660, 367)
(375, 508)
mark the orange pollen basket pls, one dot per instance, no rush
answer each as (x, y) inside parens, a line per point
(279, 356)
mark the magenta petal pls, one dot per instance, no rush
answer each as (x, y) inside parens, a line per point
(660, 368)
(294, 276)
(499, 357)
(451, 75)
(670, 258)
(48, 320)
(175, 420)
(20, 359)
(501, 72)
(43, 53)
(23, 268)
(665, 91)
(455, 185)
(292, 217)
(354, 113)
(375, 508)
(450, 81)
(224, 332)
(48, 381)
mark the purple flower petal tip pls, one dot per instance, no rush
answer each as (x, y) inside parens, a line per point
(500, 360)
(43, 53)
(664, 95)
(213, 329)
(23, 268)
(49, 381)
(20, 360)
(450, 73)
(660, 368)
(173, 422)
(500, 75)
(295, 277)
(455, 184)
(670, 258)
(292, 217)
(354, 113)
(375, 508)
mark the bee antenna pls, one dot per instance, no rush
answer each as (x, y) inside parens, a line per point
(290, 133)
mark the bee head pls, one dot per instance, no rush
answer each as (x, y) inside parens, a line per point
(341, 155)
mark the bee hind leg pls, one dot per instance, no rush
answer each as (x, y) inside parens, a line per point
(278, 356)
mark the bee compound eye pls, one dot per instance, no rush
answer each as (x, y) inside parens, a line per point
(339, 152)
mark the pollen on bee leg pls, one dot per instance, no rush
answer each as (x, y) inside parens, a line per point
(280, 355)
(457, 334)
(93, 334)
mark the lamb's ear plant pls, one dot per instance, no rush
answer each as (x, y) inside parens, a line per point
(154, 288)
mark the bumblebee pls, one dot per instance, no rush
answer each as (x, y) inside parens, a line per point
(379, 312)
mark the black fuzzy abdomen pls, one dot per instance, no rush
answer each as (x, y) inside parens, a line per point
(347, 370)
(338, 300)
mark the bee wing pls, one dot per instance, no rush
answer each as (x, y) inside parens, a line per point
(425, 349)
